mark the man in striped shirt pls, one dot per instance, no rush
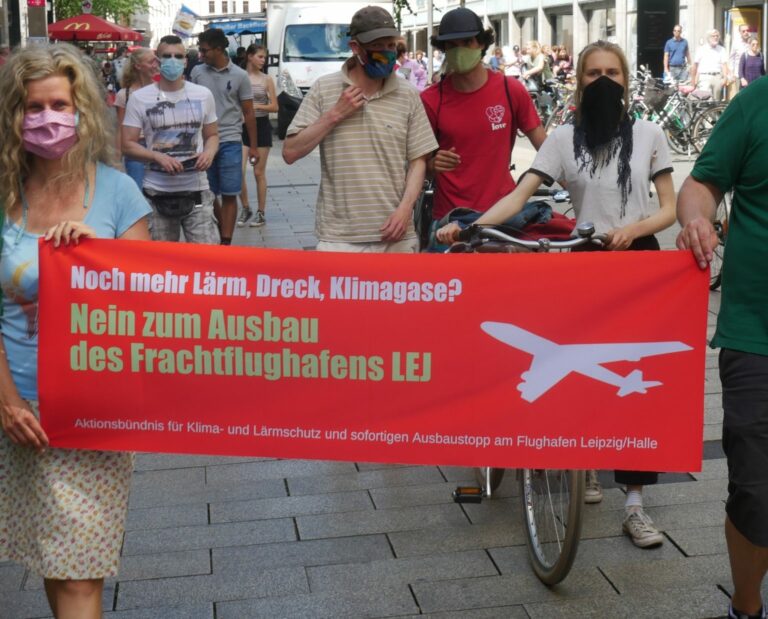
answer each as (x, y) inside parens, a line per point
(374, 139)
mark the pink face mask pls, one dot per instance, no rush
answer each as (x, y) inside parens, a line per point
(49, 134)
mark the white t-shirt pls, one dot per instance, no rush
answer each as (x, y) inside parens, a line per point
(597, 198)
(172, 122)
(711, 59)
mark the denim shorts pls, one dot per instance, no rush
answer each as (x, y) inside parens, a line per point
(225, 176)
(745, 441)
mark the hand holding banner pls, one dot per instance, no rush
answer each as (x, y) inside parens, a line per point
(496, 360)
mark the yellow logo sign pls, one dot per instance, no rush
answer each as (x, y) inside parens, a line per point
(78, 26)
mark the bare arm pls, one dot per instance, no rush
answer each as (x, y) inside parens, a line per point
(537, 137)
(666, 62)
(507, 207)
(118, 134)
(250, 127)
(302, 143)
(18, 421)
(696, 206)
(397, 223)
(210, 146)
(622, 238)
(138, 231)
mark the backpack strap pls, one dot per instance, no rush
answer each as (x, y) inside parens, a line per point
(511, 112)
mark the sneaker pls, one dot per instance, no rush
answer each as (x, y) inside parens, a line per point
(641, 530)
(245, 215)
(259, 220)
(735, 614)
(593, 491)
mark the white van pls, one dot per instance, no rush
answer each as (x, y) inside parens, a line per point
(306, 40)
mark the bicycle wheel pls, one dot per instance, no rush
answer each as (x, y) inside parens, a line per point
(552, 506)
(488, 479)
(703, 125)
(679, 140)
(721, 227)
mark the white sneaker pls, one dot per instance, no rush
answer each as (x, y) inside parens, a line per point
(593, 491)
(641, 530)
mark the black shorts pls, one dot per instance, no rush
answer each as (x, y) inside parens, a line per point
(263, 133)
(745, 441)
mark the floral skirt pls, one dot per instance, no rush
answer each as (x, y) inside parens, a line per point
(62, 513)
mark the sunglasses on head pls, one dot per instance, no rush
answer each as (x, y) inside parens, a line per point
(176, 56)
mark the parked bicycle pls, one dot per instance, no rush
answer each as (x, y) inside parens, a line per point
(722, 215)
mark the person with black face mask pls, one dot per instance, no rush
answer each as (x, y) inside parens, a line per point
(607, 160)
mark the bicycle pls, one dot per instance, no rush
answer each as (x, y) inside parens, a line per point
(552, 500)
(722, 215)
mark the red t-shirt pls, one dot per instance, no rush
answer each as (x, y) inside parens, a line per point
(482, 128)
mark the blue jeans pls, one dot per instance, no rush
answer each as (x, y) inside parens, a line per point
(135, 169)
(225, 176)
(679, 74)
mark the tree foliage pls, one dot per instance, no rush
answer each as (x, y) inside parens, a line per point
(119, 11)
(399, 6)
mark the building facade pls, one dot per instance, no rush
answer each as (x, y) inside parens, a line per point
(640, 27)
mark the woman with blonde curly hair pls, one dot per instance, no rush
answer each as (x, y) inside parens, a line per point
(62, 512)
(140, 71)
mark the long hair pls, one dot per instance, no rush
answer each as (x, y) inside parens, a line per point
(599, 46)
(252, 50)
(94, 131)
(131, 71)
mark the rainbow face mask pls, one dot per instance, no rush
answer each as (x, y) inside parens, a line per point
(379, 63)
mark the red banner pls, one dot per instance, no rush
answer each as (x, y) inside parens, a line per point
(592, 360)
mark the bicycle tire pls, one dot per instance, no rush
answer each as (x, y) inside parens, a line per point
(721, 227)
(678, 141)
(489, 479)
(552, 502)
(704, 124)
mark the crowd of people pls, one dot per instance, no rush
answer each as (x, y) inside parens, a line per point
(712, 69)
(185, 137)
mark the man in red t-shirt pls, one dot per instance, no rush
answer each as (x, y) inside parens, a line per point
(475, 117)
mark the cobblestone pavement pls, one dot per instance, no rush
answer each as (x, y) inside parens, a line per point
(234, 538)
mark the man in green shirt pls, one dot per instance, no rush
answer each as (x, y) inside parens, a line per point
(736, 159)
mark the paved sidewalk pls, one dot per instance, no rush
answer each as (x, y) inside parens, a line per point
(235, 538)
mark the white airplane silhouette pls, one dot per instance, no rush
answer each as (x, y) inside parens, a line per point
(552, 362)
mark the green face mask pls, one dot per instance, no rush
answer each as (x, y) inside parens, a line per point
(462, 59)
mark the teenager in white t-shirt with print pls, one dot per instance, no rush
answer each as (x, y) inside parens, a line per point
(607, 161)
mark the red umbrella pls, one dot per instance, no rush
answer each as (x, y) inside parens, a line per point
(88, 27)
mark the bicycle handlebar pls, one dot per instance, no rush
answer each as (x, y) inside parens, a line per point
(477, 234)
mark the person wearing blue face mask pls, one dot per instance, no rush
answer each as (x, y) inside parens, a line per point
(374, 139)
(179, 124)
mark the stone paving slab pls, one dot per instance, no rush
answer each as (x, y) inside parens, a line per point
(695, 541)
(237, 511)
(394, 572)
(489, 592)
(427, 541)
(209, 536)
(364, 480)
(346, 550)
(689, 603)
(373, 602)
(379, 521)
(499, 612)
(168, 495)
(679, 573)
(254, 472)
(165, 517)
(219, 587)
(592, 552)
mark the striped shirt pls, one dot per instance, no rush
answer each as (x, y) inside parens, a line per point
(364, 158)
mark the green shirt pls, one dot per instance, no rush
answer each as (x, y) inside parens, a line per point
(736, 158)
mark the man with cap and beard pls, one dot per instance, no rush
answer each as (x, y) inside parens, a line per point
(475, 114)
(374, 142)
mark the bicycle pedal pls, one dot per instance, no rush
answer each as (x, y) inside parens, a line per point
(468, 494)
